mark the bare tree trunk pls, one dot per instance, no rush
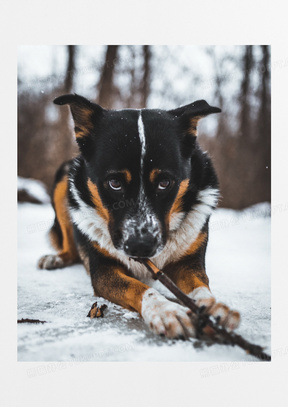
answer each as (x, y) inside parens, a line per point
(64, 144)
(244, 95)
(68, 82)
(264, 120)
(145, 88)
(130, 102)
(219, 79)
(242, 160)
(264, 129)
(105, 85)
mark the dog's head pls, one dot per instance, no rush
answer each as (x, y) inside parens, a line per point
(139, 164)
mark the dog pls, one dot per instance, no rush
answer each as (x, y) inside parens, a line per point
(140, 188)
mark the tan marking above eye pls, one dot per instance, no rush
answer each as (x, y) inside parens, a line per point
(153, 174)
(126, 173)
(103, 212)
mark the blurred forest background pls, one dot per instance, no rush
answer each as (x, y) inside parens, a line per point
(234, 78)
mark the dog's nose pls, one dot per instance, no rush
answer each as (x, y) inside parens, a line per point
(144, 246)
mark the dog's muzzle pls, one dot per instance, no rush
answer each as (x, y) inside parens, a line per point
(141, 246)
(141, 236)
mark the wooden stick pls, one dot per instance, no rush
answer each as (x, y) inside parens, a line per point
(30, 321)
(205, 326)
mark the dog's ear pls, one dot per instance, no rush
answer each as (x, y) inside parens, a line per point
(189, 115)
(84, 112)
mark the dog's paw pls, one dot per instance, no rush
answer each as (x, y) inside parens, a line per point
(228, 318)
(165, 317)
(51, 262)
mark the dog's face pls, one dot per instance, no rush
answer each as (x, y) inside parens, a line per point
(139, 169)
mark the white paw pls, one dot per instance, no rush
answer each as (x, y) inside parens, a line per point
(165, 317)
(228, 318)
(50, 262)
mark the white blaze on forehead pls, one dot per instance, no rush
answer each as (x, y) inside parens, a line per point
(142, 140)
(145, 217)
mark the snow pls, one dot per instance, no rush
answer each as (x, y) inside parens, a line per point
(34, 188)
(238, 265)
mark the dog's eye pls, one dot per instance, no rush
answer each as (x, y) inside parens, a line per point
(164, 184)
(115, 185)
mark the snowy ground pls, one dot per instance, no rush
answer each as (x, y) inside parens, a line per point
(238, 265)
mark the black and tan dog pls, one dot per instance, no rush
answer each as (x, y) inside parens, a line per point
(141, 187)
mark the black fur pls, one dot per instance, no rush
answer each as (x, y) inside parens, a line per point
(139, 213)
(112, 144)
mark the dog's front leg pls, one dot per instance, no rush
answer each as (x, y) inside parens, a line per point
(190, 276)
(163, 317)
